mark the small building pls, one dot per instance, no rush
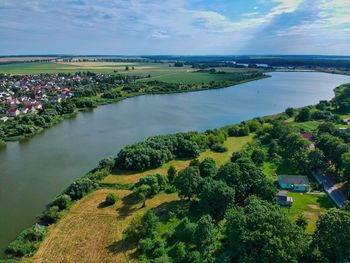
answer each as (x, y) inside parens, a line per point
(307, 136)
(13, 112)
(284, 199)
(294, 182)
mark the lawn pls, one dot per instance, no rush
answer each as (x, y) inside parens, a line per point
(92, 231)
(233, 144)
(311, 205)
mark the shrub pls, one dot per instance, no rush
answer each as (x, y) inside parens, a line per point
(111, 198)
(27, 242)
(107, 163)
(81, 187)
(218, 148)
(62, 202)
(51, 215)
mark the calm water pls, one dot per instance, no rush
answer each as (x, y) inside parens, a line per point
(33, 172)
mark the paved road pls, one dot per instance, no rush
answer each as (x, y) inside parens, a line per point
(330, 187)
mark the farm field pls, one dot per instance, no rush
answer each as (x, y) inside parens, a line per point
(157, 71)
(92, 232)
(233, 144)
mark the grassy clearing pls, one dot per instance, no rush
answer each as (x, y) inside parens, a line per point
(92, 232)
(311, 205)
(308, 126)
(233, 144)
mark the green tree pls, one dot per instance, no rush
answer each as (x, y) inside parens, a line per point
(261, 232)
(111, 198)
(304, 115)
(302, 221)
(331, 238)
(171, 174)
(216, 197)
(62, 202)
(290, 112)
(204, 235)
(188, 182)
(142, 193)
(258, 156)
(208, 168)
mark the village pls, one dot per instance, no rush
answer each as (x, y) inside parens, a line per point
(22, 94)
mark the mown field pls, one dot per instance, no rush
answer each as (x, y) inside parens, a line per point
(158, 71)
(92, 231)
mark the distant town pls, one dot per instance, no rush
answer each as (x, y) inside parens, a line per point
(23, 94)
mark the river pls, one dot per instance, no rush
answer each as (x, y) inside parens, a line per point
(34, 172)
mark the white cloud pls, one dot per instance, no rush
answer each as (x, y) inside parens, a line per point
(285, 6)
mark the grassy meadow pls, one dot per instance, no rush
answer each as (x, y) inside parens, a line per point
(92, 231)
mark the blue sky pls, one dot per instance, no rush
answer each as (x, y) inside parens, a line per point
(188, 27)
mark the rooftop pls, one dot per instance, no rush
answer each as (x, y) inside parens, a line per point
(293, 179)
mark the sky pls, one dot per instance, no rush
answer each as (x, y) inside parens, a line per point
(178, 27)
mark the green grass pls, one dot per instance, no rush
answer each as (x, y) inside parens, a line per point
(308, 126)
(311, 205)
(193, 77)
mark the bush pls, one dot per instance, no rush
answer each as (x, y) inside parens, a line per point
(107, 163)
(236, 131)
(219, 148)
(62, 202)
(51, 215)
(27, 242)
(111, 198)
(290, 112)
(81, 187)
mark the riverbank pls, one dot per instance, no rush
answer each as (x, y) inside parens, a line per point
(99, 101)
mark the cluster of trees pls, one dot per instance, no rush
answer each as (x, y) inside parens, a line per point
(155, 151)
(210, 193)
(229, 214)
(27, 242)
(150, 185)
(341, 100)
(306, 114)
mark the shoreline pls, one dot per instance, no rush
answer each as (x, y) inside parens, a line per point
(103, 102)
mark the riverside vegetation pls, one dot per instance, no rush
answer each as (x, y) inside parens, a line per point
(114, 87)
(197, 197)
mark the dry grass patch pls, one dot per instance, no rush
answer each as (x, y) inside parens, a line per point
(126, 177)
(92, 231)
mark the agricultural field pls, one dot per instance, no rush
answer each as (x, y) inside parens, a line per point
(157, 71)
(233, 144)
(92, 231)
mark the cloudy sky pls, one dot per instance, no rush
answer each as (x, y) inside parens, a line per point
(188, 27)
